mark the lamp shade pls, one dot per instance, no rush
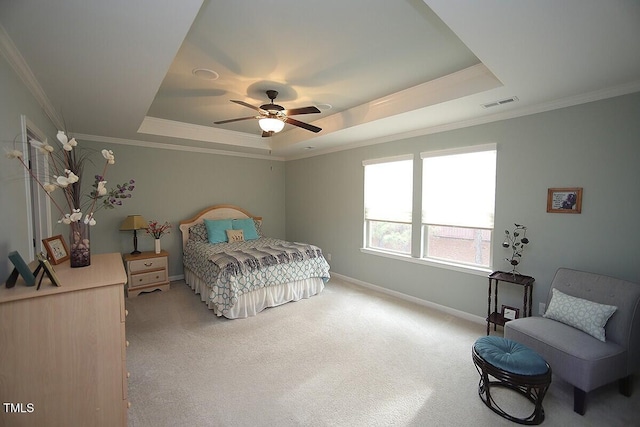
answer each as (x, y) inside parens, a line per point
(134, 222)
(271, 125)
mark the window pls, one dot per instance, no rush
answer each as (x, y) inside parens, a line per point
(388, 201)
(458, 200)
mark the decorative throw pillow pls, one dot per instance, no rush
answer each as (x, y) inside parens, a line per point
(198, 232)
(217, 229)
(588, 316)
(258, 224)
(235, 235)
(247, 226)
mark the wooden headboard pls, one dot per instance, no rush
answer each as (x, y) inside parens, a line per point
(213, 212)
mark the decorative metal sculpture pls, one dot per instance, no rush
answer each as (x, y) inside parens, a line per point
(516, 243)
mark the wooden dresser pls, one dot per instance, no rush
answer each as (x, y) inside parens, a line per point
(63, 349)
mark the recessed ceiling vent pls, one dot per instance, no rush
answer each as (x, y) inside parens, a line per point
(501, 102)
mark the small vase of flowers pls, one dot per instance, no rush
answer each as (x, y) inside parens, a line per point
(157, 231)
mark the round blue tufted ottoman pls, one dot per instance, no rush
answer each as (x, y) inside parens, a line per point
(514, 366)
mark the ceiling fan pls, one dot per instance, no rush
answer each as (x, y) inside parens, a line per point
(273, 116)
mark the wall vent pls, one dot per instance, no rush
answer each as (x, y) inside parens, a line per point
(501, 102)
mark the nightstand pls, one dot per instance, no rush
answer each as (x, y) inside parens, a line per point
(147, 271)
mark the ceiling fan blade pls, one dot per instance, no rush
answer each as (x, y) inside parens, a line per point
(303, 110)
(234, 120)
(303, 125)
(267, 134)
(253, 107)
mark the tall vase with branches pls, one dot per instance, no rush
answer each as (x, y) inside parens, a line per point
(67, 167)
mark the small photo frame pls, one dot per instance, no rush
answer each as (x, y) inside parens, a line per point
(48, 270)
(56, 249)
(21, 268)
(564, 200)
(510, 313)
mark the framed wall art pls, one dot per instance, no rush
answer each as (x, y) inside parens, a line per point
(56, 249)
(564, 200)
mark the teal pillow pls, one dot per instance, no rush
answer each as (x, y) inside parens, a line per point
(217, 229)
(248, 228)
(588, 316)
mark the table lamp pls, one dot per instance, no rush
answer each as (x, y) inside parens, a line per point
(135, 223)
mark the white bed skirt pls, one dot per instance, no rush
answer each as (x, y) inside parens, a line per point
(254, 302)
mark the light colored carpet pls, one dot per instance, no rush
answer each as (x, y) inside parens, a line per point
(346, 357)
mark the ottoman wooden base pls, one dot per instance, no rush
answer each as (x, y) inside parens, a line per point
(533, 387)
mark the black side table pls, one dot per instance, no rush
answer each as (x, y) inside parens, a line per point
(494, 316)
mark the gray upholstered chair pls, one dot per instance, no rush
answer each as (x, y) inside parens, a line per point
(577, 357)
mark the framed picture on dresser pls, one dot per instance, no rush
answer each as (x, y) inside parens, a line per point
(48, 271)
(20, 268)
(56, 249)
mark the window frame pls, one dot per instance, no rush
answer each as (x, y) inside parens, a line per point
(418, 252)
(492, 147)
(367, 221)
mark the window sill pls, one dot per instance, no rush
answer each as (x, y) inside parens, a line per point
(478, 271)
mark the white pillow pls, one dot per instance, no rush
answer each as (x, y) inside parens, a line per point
(235, 235)
(588, 316)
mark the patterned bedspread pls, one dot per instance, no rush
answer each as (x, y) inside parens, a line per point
(235, 268)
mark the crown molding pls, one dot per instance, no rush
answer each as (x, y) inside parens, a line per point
(599, 95)
(175, 147)
(21, 68)
(175, 129)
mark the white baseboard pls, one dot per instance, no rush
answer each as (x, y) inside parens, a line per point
(461, 314)
(178, 277)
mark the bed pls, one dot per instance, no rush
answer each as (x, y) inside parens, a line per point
(241, 277)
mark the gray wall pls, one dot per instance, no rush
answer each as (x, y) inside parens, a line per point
(595, 146)
(171, 185)
(175, 185)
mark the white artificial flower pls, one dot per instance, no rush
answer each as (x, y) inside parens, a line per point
(102, 190)
(43, 147)
(66, 144)
(76, 215)
(61, 181)
(64, 181)
(62, 137)
(66, 219)
(88, 219)
(49, 188)
(14, 154)
(71, 177)
(108, 154)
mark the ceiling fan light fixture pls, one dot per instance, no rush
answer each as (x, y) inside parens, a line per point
(271, 125)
